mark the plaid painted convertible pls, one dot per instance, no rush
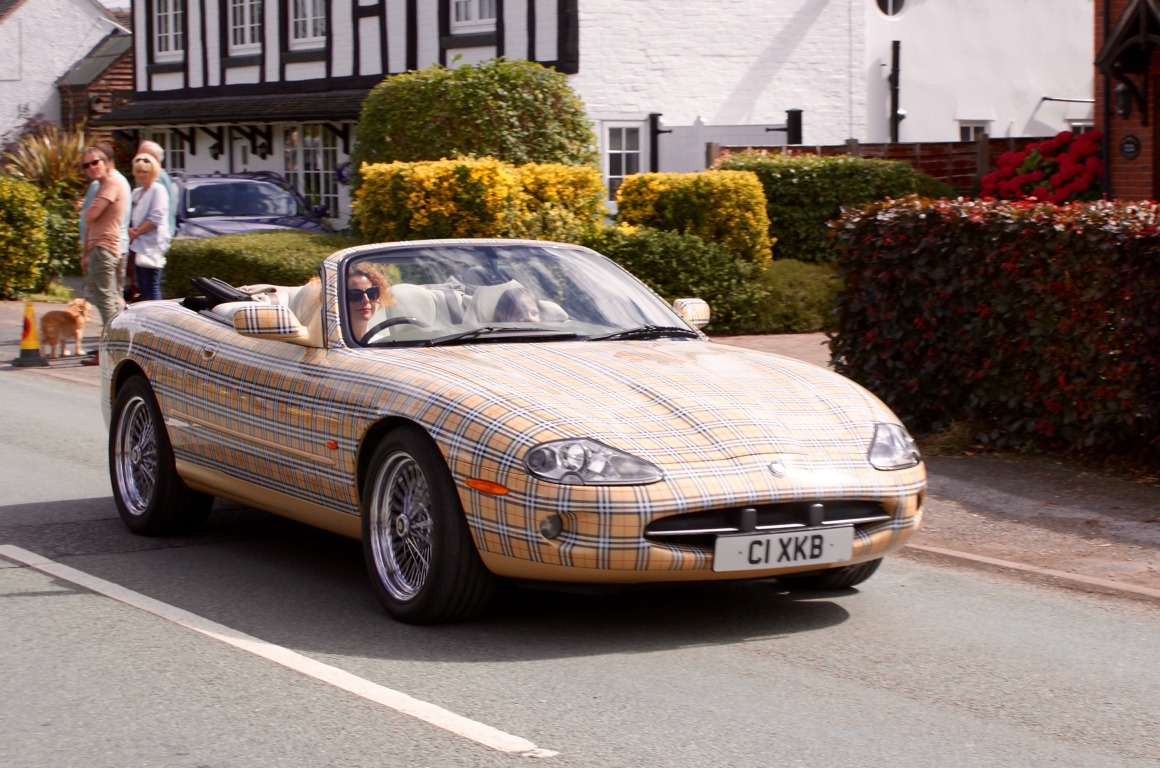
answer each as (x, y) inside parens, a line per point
(518, 409)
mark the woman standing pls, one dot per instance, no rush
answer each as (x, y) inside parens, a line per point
(149, 233)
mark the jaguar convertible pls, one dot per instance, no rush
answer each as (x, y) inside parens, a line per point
(486, 410)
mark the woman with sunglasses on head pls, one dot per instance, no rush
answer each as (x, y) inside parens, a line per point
(366, 291)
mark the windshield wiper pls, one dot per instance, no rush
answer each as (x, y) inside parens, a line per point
(501, 333)
(649, 332)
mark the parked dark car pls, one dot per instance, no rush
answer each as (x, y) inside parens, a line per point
(226, 204)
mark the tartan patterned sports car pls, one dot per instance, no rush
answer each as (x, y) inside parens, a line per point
(484, 409)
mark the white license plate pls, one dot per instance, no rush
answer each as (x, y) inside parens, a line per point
(758, 551)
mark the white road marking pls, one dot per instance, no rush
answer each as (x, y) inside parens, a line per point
(1092, 580)
(400, 702)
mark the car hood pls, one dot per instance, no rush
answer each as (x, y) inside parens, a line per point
(663, 401)
(210, 226)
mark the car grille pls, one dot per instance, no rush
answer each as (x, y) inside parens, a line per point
(702, 528)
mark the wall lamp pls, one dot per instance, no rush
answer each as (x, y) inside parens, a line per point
(1122, 98)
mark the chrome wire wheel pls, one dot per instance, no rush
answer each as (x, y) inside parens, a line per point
(151, 497)
(135, 458)
(401, 526)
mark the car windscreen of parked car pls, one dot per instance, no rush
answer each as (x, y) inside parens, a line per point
(240, 198)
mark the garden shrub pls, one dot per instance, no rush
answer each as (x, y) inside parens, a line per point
(723, 207)
(804, 192)
(1038, 323)
(517, 111)
(798, 297)
(1061, 169)
(62, 242)
(557, 202)
(445, 198)
(289, 257)
(22, 237)
(677, 266)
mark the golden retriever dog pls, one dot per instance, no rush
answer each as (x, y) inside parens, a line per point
(58, 325)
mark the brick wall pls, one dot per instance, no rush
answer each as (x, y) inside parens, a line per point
(962, 164)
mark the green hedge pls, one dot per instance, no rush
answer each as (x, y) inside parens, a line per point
(1038, 324)
(518, 111)
(804, 192)
(683, 266)
(723, 207)
(23, 247)
(288, 257)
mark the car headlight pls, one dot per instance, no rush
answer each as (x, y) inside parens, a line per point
(892, 448)
(587, 462)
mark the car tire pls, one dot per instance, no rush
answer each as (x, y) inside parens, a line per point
(830, 579)
(420, 556)
(150, 496)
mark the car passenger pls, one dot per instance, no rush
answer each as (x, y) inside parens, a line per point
(366, 291)
(518, 305)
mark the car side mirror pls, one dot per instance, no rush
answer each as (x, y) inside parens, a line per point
(321, 211)
(270, 321)
(695, 312)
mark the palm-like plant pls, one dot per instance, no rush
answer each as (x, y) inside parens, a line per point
(49, 158)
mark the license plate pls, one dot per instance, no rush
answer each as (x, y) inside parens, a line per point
(758, 551)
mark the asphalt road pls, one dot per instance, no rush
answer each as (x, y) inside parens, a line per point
(258, 643)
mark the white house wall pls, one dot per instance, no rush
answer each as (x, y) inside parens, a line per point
(39, 41)
(980, 60)
(726, 63)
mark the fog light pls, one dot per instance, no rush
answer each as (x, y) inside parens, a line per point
(552, 526)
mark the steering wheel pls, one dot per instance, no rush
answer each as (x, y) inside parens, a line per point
(381, 326)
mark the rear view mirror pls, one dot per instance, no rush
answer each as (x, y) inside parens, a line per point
(695, 312)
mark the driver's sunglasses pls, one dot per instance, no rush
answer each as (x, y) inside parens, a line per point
(91, 163)
(356, 294)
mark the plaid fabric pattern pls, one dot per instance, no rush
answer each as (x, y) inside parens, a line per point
(294, 420)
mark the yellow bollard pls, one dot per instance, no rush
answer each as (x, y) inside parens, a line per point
(29, 341)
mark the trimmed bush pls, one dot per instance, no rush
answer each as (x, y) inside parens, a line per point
(517, 111)
(446, 198)
(22, 237)
(289, 257)
(797, 297)
(804, 192)
(1039, 324)
(723, 207)
(62, 241)
(558, 202)
(678, 266)
(478, 198)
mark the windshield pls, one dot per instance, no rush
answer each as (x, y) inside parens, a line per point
(454, 293)
(234, 197)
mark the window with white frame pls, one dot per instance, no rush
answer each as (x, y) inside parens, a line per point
(1081, 125)
(174, 148)
(971, 130)
(310, 159)
(307, 24)
(622, 156)
(469, 16)
(245, 26)
(168, 30)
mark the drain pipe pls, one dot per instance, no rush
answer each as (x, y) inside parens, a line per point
(896, 114)
(1106, 141)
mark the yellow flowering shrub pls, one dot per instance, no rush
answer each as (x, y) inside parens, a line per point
(440, 198)
(477, 198)
(558, 202)
(724, 207)
(22, 237)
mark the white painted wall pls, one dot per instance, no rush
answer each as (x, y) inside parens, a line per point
(980, 60)
(39, 42)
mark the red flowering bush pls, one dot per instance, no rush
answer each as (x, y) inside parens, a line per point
(1038, 324)
(1059, 170)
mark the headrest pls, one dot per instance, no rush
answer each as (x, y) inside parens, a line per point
(306, 304)
(485, 298)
